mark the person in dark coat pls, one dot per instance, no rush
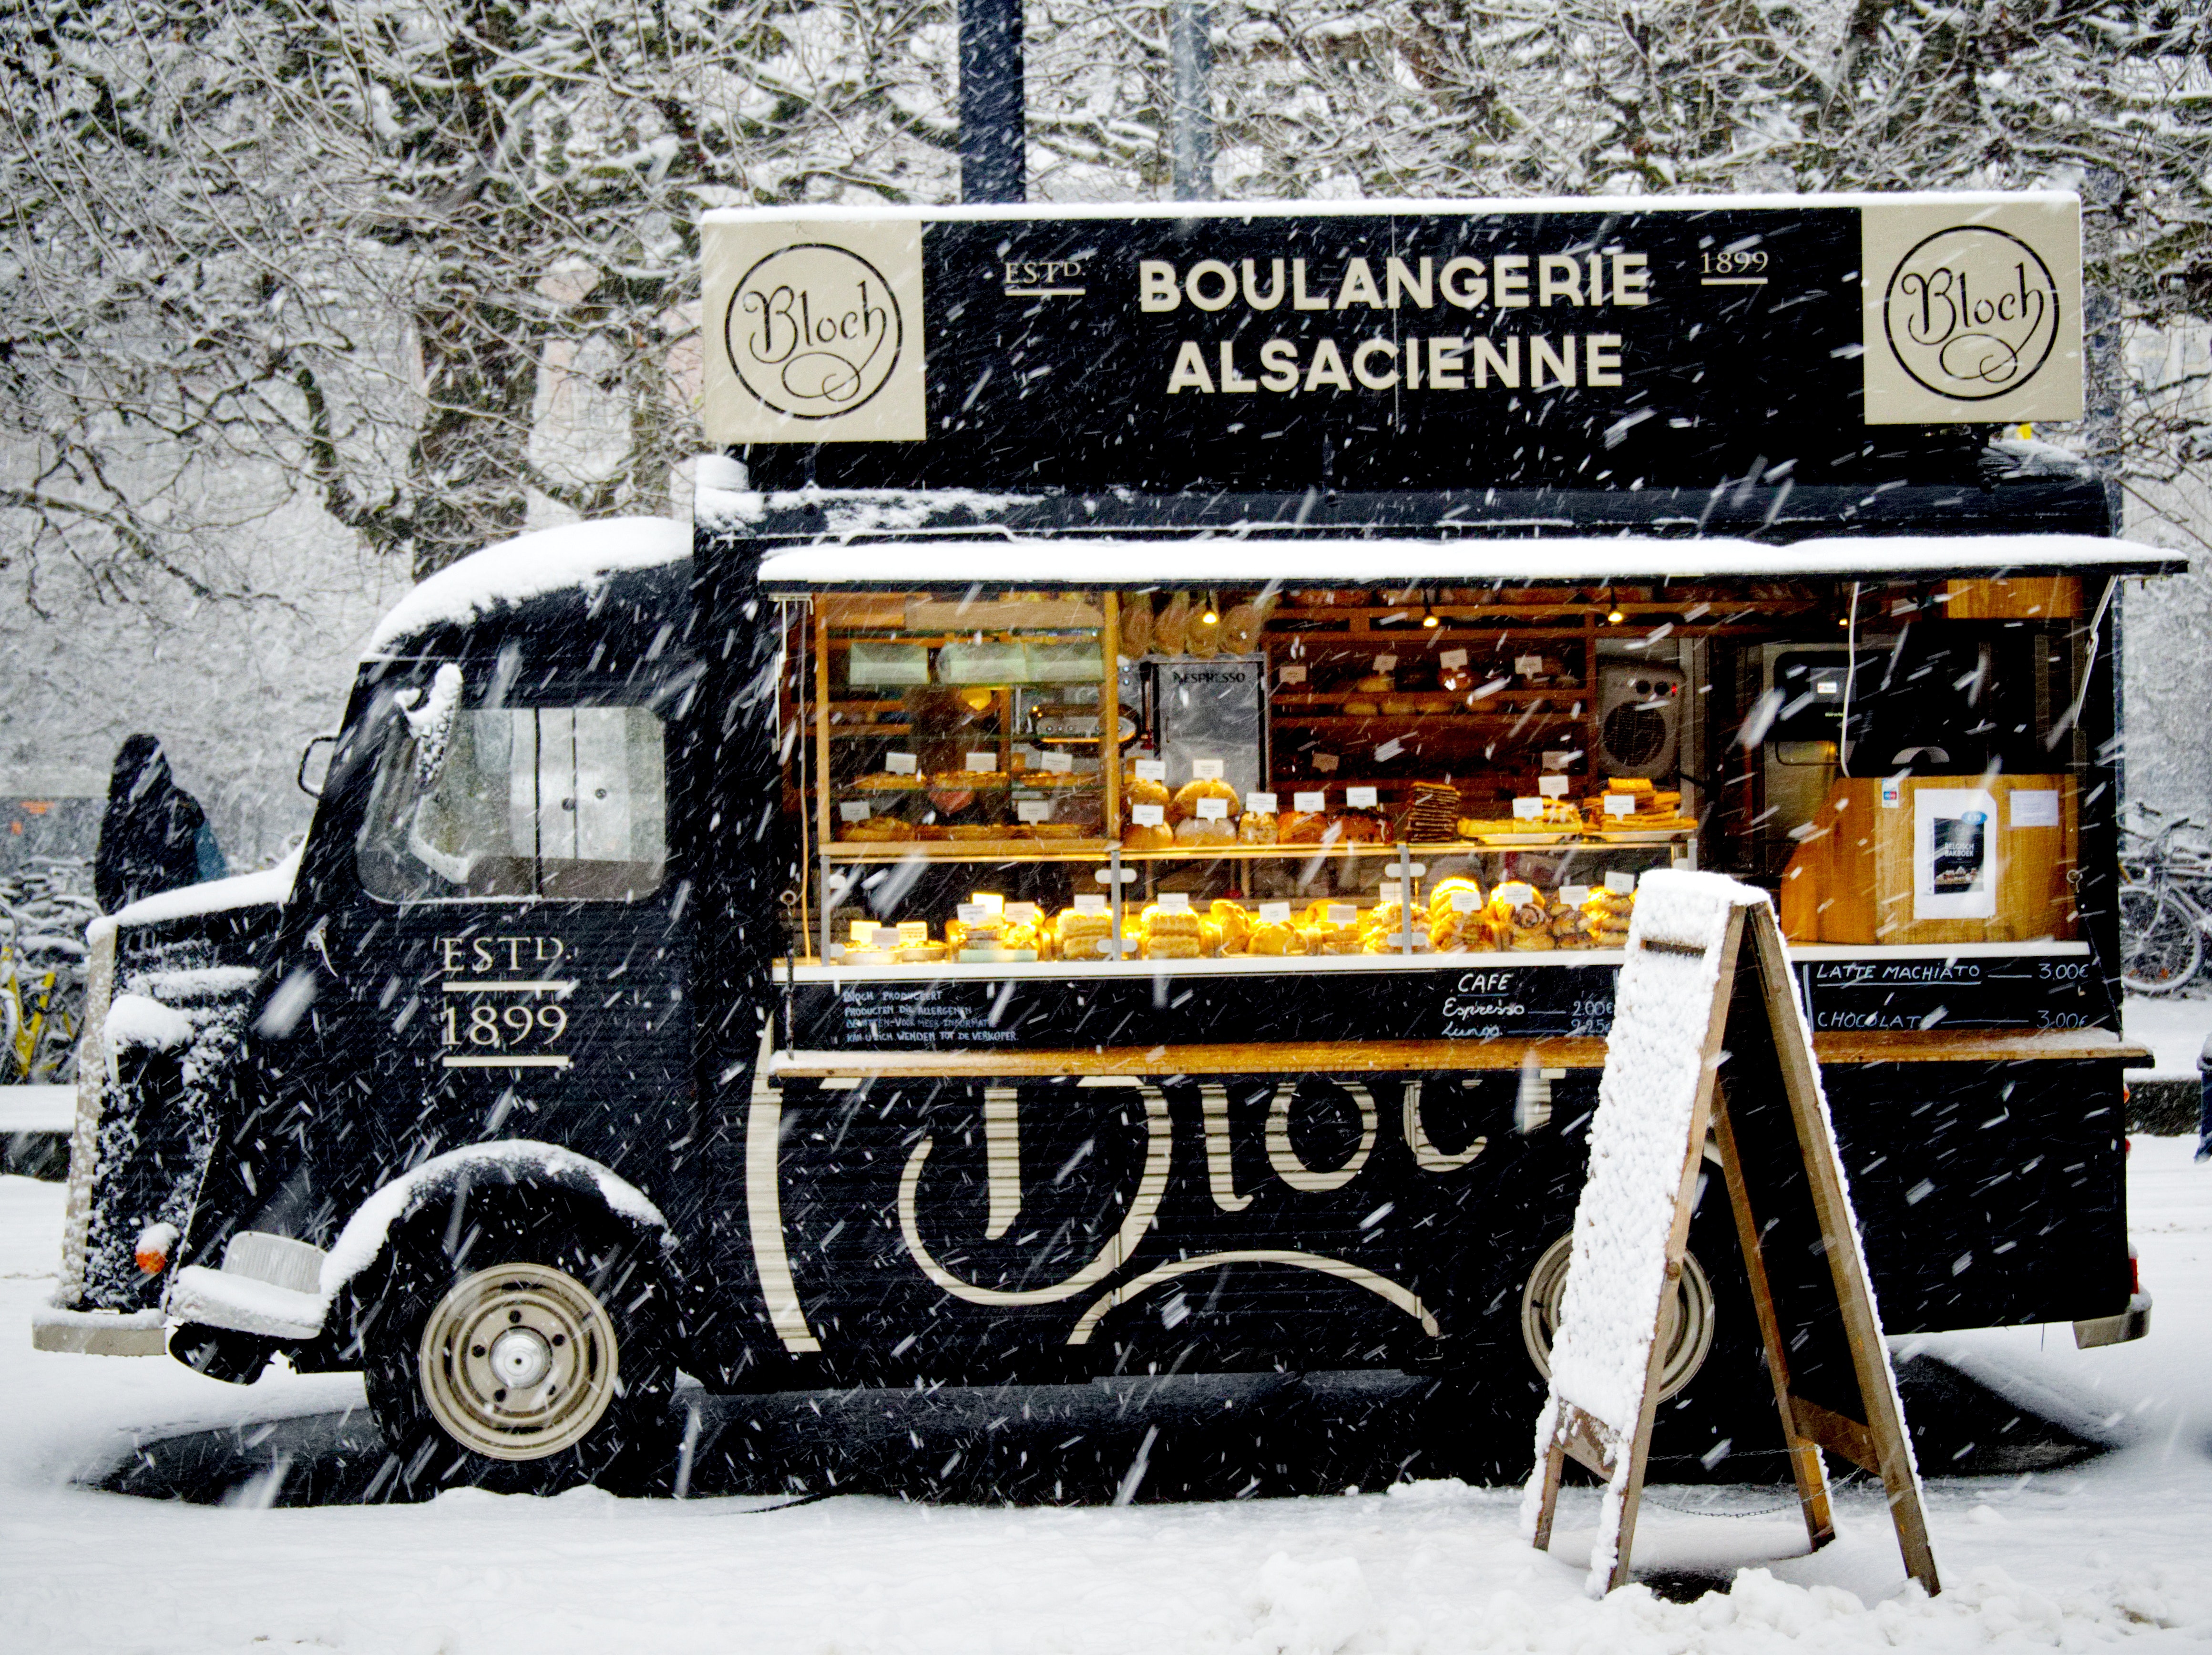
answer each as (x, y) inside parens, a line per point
(153, 837)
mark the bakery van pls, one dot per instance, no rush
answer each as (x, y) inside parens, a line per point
(1105, 845)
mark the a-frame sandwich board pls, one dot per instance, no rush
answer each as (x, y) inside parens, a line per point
(1707, 1037)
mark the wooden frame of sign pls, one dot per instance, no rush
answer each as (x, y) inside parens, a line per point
(1757, 1091)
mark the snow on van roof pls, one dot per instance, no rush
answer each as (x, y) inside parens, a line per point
(1260, 562)
(530, 565)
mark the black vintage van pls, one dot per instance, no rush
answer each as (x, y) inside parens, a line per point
(1026, 907)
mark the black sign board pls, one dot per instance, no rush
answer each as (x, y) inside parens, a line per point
(1560, 344)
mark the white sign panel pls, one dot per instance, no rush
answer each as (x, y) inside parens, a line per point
(1973, 309)
(813, 331)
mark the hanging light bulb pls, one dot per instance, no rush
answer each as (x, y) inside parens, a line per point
(1613, 616)
(1429, 619)
(1210, 616)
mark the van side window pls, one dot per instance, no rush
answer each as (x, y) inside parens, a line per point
(560, 802)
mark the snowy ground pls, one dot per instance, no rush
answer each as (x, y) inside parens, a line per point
(2113, 1551)
(2174, 1029)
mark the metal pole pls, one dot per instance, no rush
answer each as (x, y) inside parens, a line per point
(992, 111)
(2103, 387)
(1190, 116)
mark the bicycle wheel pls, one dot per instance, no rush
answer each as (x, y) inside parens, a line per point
(2160, 947)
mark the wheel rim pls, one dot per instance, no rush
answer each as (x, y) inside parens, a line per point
(1686, 1331)
(518, 1362)
(2159, 950)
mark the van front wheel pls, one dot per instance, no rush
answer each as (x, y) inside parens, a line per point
(529, 1355)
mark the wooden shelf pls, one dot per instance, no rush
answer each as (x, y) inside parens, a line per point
(1096, 849)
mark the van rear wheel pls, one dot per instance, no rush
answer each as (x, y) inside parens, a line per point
(531, 1352)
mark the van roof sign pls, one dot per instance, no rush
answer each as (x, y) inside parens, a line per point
(1582, 343)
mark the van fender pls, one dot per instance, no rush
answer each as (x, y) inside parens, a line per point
(262, 1289)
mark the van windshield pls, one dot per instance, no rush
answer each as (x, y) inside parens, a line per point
(524, 802)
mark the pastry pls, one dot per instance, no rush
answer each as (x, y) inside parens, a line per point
(1440, 897)
(1235, 922)
(876, 830)
(1142, 790)
(1361, 708)
(1079, 934)
(1304, 828)
(1254, 827)
(883, 781)
(1171, 625)
(1141, 836)
(1273, 937)
(1240, 628)
(1376, 683)
(1185, 803)
(1136, 625)
(1205, 830)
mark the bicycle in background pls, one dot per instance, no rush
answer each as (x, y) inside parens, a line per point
(2164, 901)
(43, 914)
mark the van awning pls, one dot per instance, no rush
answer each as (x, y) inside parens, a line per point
(1217, 561)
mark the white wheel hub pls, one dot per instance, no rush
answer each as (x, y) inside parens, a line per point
(518, 1362)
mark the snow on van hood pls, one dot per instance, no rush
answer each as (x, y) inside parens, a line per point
(530, 565)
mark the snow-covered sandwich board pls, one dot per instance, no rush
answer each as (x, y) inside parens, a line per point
(1707, 1037)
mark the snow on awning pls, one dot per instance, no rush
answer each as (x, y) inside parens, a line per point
(903, 566)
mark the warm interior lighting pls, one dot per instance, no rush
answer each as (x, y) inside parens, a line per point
(977, 700)
(1615, 617)
(1429, 620)
(1211, 616)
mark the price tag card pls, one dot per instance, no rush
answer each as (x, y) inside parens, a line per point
(1213, 810)
(1359, 798)
(1206, 769)
(1056, 764)
(1260, 804)
(1033, 810)
(982, 763)
(1151, 770)
(1527, 664)
(853, 810)
(1574, 895)
(1274, 914)
(1174, 902)
(1294, 673)
(1149, 816)
(1386, 663)
(1529, 810)
(990, 900)
(911, 931)
(1466, 901)
(1343, 913)
(1621, 804)
(1551, 787)
(899, 764)
(1452, 657)
(1620, 884)
(1022, 914)
(1309, 802)
(1325, 762)
(1091, 902)
(1390, 891)
(2035, 809)
(863, 932)
(975, 913)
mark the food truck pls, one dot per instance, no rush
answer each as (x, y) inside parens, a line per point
(1107, 845)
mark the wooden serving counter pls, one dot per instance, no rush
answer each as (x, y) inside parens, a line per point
(1419, 1057)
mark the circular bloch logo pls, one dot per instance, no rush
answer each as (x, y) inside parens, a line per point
(813, 331)
(1971, 313)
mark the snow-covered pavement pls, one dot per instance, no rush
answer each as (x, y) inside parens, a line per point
(2118, 1550)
